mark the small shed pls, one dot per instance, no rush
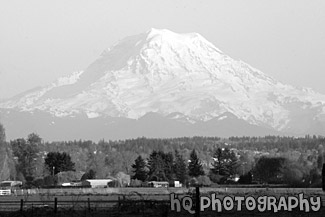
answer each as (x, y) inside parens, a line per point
(96, 183)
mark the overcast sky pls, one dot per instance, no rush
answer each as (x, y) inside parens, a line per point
(41, 40)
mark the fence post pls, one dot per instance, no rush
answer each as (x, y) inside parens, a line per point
(88, 204)
(119, 205)
(323, 177)
(55, 205)
(21, 205)
(143, 205)
(197, 201)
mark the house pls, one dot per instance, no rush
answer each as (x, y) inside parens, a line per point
(10, 184)
(177, 184)
(96, 183)
(156, 184)
(7, 187)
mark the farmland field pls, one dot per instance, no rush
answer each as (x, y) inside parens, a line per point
(145, 202)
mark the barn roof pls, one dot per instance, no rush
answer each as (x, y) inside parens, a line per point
(99, 181)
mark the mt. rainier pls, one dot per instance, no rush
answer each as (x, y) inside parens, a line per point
(164, 84)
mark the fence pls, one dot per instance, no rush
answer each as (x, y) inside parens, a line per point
(128, 201)
(88, 207)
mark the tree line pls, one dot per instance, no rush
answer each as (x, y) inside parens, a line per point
(270, 159)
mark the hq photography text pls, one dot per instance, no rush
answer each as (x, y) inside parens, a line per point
(262, 203)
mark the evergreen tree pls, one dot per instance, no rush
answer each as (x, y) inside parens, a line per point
(7, 163)
(161, 166)
(180, 168)
(169, 166)
(195, 168)
(156, 166)
(225, 162)
(139, 169)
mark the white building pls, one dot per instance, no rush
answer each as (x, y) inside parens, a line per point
(96, 183)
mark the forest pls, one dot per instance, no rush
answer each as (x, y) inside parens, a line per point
(291, 161)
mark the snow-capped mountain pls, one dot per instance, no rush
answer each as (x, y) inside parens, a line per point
(181, 78)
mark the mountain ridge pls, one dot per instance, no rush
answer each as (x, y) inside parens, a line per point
(164, 72)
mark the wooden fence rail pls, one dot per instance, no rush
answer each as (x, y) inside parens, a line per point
(91, 203)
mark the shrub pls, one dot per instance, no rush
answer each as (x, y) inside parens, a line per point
(204, 181)
(135, 183)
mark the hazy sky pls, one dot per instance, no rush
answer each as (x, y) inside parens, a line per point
(41, 40)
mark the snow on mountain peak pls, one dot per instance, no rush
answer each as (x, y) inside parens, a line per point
(175, 39)
(169, 35)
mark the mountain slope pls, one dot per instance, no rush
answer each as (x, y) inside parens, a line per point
(152, 125)
(166, 73)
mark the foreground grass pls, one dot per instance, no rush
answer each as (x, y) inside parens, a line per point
(140, 202)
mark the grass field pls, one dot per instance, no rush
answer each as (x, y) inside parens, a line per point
(144, 202)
